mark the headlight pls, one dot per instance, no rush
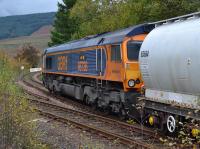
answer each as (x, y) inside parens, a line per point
(131, 83)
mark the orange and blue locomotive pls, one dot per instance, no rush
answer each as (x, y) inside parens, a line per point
(101, 70)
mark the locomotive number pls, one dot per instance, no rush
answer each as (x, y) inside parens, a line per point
(62, 63)
(82, 66)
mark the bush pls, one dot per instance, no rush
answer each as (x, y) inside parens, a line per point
(29, 54)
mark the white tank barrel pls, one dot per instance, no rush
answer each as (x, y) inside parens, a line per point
(170, 58)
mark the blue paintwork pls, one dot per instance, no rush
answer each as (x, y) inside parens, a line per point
(73, 55)
(73, 59)
(102, 39)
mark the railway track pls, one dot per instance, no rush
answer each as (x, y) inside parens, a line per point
(112, 129)
(146, 132)
(33, 81)
(36, 79)
(135, 136)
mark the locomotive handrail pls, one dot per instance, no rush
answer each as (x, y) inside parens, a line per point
(179, 18)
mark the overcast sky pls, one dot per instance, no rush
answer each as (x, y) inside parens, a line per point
(18, 7)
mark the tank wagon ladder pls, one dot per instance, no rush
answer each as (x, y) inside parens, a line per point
(177, 19)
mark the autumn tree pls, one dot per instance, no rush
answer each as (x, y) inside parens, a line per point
(171, 8)
(96, 16)
(29, 54)
(86, 14)
(79, 18)
(64, 26)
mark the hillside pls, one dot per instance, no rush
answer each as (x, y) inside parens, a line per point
(13, 46)
(24, 25)
(38, 39)
(44, 30)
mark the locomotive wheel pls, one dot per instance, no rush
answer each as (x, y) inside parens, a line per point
(122, 114)
(54, 90)
(49, 89)
(94, 106)
(107, 111)
(86, 99)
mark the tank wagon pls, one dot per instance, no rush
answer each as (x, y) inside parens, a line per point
(169, 62)
(101, 70)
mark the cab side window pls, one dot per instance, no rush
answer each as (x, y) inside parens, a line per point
(115, 53)
(48, 63)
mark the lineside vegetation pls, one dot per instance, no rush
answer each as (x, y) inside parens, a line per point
(16, 126)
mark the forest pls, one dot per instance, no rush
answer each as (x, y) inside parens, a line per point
(79, 18)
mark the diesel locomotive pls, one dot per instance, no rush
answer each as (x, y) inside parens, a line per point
(149, 72)
(101, 70)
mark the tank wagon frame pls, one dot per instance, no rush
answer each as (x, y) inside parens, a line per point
(101, 70)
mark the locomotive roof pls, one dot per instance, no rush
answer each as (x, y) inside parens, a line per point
(102, 39)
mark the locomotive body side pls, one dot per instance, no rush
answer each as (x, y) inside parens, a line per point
(101, 70)
(84, 62)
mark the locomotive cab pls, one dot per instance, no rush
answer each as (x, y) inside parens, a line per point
(131, 51)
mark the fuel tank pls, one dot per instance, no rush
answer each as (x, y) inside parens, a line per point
(170, 58)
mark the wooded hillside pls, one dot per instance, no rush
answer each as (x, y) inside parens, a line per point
(23, 25)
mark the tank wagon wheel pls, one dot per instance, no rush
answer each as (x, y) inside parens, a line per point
(170, 127)
(171, 124)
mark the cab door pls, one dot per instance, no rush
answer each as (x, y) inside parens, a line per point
(115, 63)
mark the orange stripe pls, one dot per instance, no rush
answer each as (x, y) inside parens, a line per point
(77, 75)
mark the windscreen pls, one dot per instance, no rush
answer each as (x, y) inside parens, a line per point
(133, 49)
